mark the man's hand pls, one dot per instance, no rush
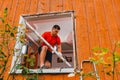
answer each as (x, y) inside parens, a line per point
(59, 53)
(55, 48)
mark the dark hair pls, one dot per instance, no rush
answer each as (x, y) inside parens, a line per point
(56, 27)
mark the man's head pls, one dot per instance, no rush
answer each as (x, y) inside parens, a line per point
(55, 30)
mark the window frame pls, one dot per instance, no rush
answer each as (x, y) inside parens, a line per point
(19, 45)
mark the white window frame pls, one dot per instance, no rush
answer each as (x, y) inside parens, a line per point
(19, 45)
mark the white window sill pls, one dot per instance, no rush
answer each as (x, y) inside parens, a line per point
(52, 70)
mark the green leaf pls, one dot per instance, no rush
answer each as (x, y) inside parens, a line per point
(30, 78)
(2, 19)
(108, 73)
(5, 12)
(14, 28)
(1, 30)
(104, 50)
(28, 60)
(34, 77)
(100, 49)
(5, 42)
(2, 56)
(12, 34)
(119, 44)
(25, 71)
(116, 57)
(101, 59)
(7, 31)
(2, 53)
(92, 59)
(95, 48)
(19, 66)
(109, 64)
(8, 25)
(1, 66)
(32, 63)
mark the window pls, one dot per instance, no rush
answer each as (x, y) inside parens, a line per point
(27, 47)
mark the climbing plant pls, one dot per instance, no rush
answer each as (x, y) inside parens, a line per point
(108, 60)
(7, 38)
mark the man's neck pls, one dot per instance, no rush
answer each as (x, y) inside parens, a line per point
(53, 34)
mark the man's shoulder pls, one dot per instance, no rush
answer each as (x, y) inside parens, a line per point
(57, 37)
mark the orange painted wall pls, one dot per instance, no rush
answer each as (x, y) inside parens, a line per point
(97, 24)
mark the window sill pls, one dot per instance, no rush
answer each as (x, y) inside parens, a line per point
(52, 70)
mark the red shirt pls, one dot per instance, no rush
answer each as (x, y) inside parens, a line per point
(52, 40)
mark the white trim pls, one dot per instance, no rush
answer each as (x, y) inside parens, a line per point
(52, 70)
(18, 46)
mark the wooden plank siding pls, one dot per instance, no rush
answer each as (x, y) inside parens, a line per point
(102, 31)
(97, 24)
(116, 8)
(112, 27)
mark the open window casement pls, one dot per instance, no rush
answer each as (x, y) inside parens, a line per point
(27, 43)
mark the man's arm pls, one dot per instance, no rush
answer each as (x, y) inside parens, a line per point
(59, 48)
(39, 41)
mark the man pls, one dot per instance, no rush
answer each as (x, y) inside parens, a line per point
(45, 52)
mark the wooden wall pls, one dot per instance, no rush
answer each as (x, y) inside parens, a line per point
(97, 24)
